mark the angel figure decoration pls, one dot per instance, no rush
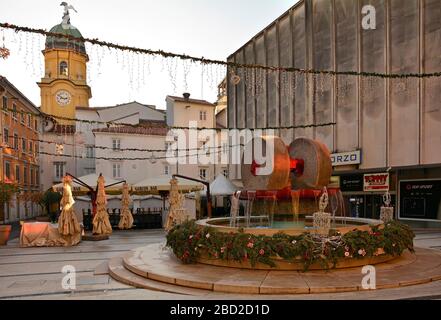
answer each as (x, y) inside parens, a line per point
(177, 212)
(68, 225)
(126, 218)
(387, 211)
(321, 219)
(101, 223)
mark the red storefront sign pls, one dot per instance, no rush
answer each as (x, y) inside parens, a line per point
(376, 182)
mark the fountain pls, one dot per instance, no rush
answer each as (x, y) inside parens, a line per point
(292, 219)
(288, 199)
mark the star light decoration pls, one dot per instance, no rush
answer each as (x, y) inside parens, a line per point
(59, 149)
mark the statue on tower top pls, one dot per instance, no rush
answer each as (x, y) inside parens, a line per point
(66, 15)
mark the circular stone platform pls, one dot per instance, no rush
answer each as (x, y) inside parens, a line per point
(155, 267)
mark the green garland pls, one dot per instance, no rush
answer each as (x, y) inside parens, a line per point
(203, 60)
(189, 241)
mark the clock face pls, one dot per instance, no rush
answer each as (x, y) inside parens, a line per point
(63, 97)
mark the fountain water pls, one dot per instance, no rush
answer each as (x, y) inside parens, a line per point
(286, 199)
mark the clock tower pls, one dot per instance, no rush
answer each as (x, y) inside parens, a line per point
(64, 85)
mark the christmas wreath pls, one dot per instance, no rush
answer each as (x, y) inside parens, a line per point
(190, 241)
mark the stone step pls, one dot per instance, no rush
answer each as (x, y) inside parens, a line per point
(119, 273)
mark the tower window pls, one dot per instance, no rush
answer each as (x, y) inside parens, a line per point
(63, 68)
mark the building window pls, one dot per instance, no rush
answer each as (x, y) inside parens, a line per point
(63, 69)
(29, 121)
(203, 173)
(203, 115)
(36, 125)
(23, 145)
(22, 117)
(6, 136)
(59, 168)
(116, 144)
(14, 111)
(25, 175)
(7, 170)
(15, 141)
(36, 148)
(37, 177)
(116, 170)
(5, 103)
(90, 152)
(17, 173)
(31, 147)
(166, 170)
(32, 176)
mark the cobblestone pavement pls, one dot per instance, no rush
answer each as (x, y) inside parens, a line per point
(35, 273)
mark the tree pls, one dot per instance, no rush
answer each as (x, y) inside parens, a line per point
(50, 200)
(7, 191)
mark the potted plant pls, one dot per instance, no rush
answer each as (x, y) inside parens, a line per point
(7, 190)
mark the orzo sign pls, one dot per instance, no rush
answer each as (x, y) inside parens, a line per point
(346, 158)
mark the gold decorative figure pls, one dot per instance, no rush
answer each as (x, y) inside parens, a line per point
(126, 218)
(177, 212)
(101, 223)
(68, 225)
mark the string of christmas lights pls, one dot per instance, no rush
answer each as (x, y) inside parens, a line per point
(127, 149)
(124, 158)
(109, 124)
(205, 61)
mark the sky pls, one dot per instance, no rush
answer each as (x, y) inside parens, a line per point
(204, 28)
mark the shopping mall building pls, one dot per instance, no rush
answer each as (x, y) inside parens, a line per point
(387, 132)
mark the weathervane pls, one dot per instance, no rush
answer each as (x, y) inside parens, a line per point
(66, 14)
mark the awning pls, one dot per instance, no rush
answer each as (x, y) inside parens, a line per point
(162, 183)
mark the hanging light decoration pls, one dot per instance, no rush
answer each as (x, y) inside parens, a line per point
(59, 149)
(4, 52)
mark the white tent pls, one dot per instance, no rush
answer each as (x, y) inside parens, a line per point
(162, 183)
(91, 180)
(221, 186)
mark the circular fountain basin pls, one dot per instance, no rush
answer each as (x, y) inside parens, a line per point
(258, 225)
(292, 228)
